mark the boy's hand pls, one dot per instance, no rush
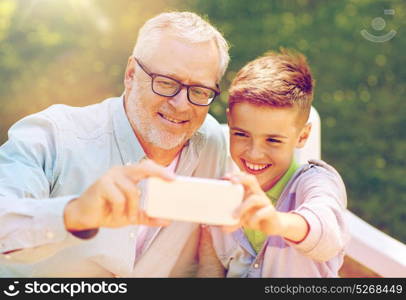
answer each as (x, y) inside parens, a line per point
(256, 211)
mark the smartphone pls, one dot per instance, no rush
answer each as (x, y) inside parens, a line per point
(192, 199)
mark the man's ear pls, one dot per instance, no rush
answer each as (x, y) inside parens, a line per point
(304, 135)
(129, 73)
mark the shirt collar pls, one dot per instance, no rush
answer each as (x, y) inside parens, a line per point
(189, 157)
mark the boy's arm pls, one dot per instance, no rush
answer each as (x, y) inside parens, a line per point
(322, 203)
(258, 213)
(294, 227)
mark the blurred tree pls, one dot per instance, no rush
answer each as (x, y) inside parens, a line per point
(72, 52)
(75, 52)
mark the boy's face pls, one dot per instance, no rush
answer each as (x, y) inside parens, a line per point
(263, 139)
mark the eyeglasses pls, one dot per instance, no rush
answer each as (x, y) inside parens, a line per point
(169, 87)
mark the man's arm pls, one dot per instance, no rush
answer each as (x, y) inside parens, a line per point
(29, 218)
(35, 226)
(113, 200)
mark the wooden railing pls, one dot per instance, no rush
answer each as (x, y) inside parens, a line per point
(376, 253)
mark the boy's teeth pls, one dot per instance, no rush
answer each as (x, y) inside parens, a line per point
(256, 167)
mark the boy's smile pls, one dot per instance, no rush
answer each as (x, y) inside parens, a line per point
(263, 139)
(255, 168)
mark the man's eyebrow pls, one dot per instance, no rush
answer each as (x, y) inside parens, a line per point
(274, 135)
(174, 76)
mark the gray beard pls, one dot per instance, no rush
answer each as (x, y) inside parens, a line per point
(142, 121)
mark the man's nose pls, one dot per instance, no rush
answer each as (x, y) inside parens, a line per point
(180, 101)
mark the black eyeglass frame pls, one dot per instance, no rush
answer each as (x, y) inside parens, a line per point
(182, 85)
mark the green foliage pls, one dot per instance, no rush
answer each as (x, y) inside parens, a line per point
(75, 52)
(360, 90)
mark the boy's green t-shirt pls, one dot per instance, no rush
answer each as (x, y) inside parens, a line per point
(256, 237)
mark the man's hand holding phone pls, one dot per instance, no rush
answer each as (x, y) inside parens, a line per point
(113, 200)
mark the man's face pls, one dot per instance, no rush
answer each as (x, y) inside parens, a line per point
(169, 122)
(263, 139)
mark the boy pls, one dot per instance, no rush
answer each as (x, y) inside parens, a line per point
(292, 216)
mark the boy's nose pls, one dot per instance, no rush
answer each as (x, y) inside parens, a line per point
(255, 153)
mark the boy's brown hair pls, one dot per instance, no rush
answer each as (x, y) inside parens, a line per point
(279, 79)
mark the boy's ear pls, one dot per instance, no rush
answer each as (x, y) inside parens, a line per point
(129, 73)
(304, 135)
(228, 114)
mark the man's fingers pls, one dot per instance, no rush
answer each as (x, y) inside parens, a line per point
(148, 168)
(132, 194)
(117, 204)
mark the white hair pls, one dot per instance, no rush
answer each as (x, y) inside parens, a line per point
(185, 25)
